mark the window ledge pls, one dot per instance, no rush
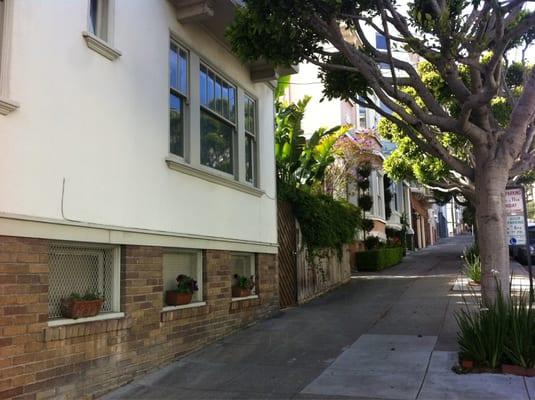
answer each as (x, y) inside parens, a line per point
(100, 46)
(177, 165)
(100, 317)
(7, 105)
(190, 305)
(254, 296)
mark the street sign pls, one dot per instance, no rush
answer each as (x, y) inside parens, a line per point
(516, 223)
(516, 229)
(517, 226)
(514, 201)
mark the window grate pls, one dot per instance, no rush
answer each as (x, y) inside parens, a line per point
(79, 269)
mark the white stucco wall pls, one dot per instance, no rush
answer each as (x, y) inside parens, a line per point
(327, 113)
(104, 127)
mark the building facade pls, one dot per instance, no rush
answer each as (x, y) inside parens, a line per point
(135, 146)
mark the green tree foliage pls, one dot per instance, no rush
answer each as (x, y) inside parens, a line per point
(302, 162)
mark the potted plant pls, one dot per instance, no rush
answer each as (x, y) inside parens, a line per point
(183, 293)
(243, 286)
(77, 306)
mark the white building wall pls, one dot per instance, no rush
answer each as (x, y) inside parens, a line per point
(103, 127)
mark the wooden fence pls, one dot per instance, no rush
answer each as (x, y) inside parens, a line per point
(301, 279)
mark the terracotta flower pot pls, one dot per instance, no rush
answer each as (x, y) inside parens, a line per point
(174, 298)
(72, 308)
(467, 364)
(517, 370)
(240, 292)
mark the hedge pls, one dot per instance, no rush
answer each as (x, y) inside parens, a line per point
(378, 259)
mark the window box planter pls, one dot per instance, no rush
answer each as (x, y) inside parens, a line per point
(174, 298)
(73, 308)
(240, 292)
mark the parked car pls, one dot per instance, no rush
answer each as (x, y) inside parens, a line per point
(521, 251)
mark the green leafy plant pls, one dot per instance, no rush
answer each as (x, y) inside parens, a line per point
(472, 263)
(483, 331)
(520, 341)
(367, 225)
(379, 258)
(244, 282)
(87, 296)
(186, 284)
(325, 223)
(372, 242)
(365, 202)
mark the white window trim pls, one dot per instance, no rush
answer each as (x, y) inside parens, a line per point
(7, 105)
(256, 174)
(99, 317)
(103, 47)
(176, 163)
(253, 266)
(190, 305)
(190, 164)
(200, 272)
(116, 291)
(253, 296)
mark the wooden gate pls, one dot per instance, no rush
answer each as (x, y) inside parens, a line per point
(287, 255)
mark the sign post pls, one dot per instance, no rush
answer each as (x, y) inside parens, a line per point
(517, 225)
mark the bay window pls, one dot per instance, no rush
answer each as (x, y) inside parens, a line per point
(213, 123)
(178, 82)
(218, 121)
(250, 140)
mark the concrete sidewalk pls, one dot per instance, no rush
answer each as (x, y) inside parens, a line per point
(389, 335)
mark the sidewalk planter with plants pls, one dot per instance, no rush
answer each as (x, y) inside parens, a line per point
(472, 265)
(183, 294)
(243, 286)
(379, 258)
(76, 306)
(497, 337)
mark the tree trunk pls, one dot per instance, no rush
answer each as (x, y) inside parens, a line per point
(491, 180)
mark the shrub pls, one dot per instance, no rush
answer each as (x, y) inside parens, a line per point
(325, 223)
(372, 242)
(186, 284)
(502, 332)
(378, 259)
(472, 263)
(520, 341)
(367, 225)
(365, 202)
(482, 332)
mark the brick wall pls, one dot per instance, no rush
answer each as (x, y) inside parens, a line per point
(88, 359)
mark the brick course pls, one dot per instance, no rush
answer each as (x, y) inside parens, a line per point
(86, 360)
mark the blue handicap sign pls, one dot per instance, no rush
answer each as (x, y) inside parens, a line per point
(512, 241)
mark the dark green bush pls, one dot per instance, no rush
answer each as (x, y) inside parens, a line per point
(367, 224)
(365, 202)
(378, 259)
(325, 223)
(499, 333)
(372, 242)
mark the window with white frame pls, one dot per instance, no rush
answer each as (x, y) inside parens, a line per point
(362, 120)
(218, 121)
(80, 268)
(178, 97)
(250, 139)
(6, 21)
(2, 13)
(100, 18)
(379, 194)
(244, 264)
(183, 262)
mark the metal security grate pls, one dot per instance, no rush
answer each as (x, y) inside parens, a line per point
(79, 268)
